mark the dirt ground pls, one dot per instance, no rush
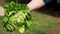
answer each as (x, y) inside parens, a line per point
(55, 30)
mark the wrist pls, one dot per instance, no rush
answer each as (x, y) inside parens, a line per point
(35, 4)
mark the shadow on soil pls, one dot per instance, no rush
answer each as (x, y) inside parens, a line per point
(51, 9)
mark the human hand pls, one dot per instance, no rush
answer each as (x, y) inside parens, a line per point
(1, 11)
(35, 4)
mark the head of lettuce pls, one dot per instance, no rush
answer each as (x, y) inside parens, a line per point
(16, 16)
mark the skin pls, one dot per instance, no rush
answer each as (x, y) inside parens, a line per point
(1, 11)
(35, 4)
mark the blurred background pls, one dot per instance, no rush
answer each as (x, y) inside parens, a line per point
(46, 20)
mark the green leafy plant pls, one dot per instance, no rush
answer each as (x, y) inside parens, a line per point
(17, 16)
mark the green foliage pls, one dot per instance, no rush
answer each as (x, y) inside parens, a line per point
(17, 16)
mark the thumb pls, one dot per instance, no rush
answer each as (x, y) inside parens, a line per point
(1, 11)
